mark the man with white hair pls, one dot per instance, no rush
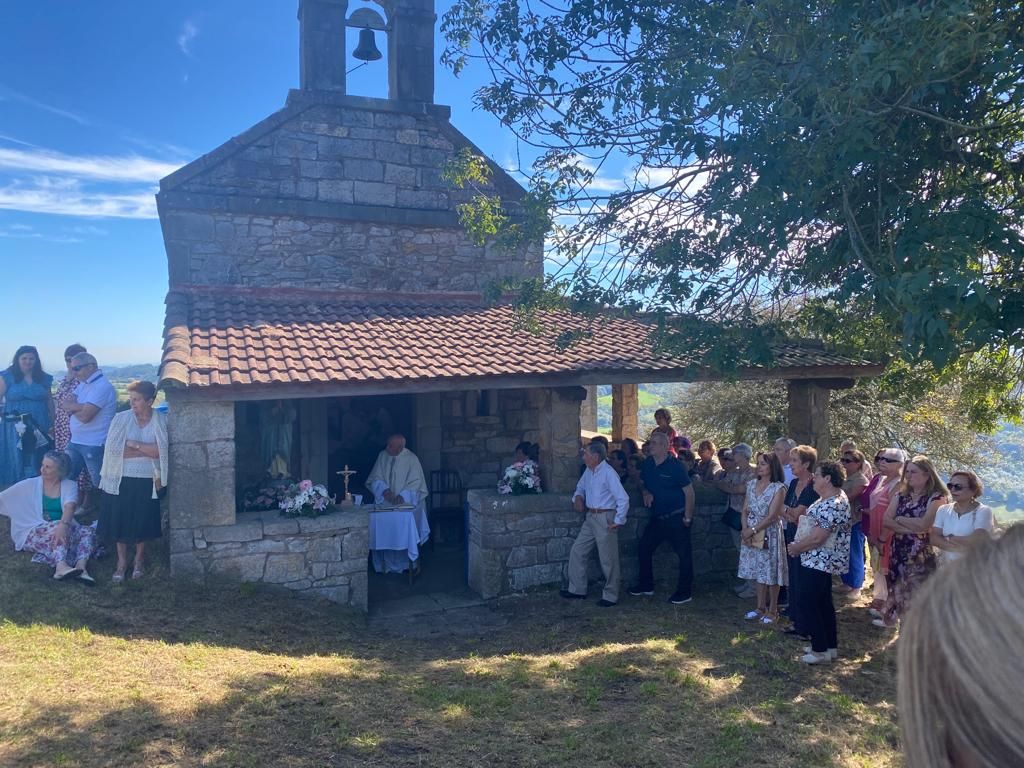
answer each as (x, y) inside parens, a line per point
(92, 406)
(782, 448)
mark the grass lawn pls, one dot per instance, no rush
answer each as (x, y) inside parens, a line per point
(159, 674)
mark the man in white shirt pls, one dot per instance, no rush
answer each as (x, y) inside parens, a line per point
(782, 449)
(601, 494)
(92, 407)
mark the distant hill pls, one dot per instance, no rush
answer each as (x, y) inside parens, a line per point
(141, 371)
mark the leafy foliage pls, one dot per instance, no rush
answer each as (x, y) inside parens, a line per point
(864, 160)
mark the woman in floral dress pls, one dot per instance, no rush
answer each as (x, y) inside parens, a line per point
(62, 419)
(762, 556)
(910, 517)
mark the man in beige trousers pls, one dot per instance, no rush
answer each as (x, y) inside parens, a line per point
(601, 494)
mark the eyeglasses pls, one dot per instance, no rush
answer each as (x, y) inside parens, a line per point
(886, 459)
(77, 368)
(956, 486)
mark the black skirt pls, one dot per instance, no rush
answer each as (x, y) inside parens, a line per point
(132, 515)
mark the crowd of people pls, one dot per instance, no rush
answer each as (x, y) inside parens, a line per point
(67, 455)
(805, 526)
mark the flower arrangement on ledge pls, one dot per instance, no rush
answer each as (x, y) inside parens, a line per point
(521, 477)
(268, 493)
(306, 500)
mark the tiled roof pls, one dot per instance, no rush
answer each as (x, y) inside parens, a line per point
(242, 337)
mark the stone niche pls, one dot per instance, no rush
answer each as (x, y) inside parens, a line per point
(519, 542)
(316, 557)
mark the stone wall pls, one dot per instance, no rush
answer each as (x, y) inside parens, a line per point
(518, 542)
(348, 194)
(201, 463)
(480, 431)
(317, 557)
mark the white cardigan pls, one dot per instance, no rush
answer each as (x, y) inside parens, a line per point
(113, 450)
(23, 503)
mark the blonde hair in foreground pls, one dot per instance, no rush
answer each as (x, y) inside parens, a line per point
(960, 669)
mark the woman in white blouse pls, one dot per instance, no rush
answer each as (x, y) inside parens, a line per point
(961, 524)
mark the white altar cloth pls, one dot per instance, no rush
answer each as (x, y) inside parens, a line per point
(396, 536)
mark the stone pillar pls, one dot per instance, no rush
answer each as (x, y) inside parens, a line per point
(411, 51)
(588, 411)
(625, 410)
(559, 412)
(808, 414)
(201, 463)
(313, 440)
(322, 45)
(428, 431)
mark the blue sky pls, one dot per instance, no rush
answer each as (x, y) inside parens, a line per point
(98, 101)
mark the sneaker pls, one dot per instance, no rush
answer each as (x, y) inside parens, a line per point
(751, 615)
(882, 623)
(875, 612)
(605, 603)
(563, 592)
(678, 599)
(833, 653)
(65, 571)
(641, 592)
(816, 658)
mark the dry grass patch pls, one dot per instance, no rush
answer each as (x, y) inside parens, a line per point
(160, 674)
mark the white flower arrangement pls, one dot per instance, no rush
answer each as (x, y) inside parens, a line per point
(306, 500)
(519, 478)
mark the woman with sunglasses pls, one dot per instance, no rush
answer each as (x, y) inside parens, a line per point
(855, 464)
(874, 502)
(910, 517)
(963, 523)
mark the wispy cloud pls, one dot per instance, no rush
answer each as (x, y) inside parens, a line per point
(98, 167)
(11, 140)
(9, 94)
(189, 32)
(25, 232)
(68, 197)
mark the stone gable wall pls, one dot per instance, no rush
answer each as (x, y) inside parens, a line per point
(337, 197)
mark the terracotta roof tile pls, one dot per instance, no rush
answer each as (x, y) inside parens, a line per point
(244, 336)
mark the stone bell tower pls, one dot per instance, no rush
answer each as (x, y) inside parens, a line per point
(408, 24)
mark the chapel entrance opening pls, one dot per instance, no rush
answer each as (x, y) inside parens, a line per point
(358, 428)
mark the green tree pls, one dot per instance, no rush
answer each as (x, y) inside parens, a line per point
(865, 159)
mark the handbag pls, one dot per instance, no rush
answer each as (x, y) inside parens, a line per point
(759, 540)
(731, 518)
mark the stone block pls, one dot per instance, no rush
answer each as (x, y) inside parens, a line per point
(180, 540)
(299, 585)
(529, 523)
(408, 136)
(405, 176)
(364, 170)
(249, 531)
(335, 191)
(242, 567)
(535, 575)
(294, 148)
(280, 527)
(266, 545)
(220, 453)
(521, 556)
(318, 570)
(198, 541)
(191, 226)
(207, 498)
(336, 149)
(393, 120)
(374, 193)
(346, 567)
(486, 572)
(391, 153)
(416, 198)
(325, 550)
(356, 544)
(558, 549)
(185, 565)
(193, 422)
(281, 569)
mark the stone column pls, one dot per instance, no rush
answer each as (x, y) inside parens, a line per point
(313, 439)
(625, 410)
(559, 412)
(322, 45)
(411, 51)
(201, 463)
(428, 431)
(588, 411)
(808, 414)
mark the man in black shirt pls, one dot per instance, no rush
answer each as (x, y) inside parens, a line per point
(669, 495)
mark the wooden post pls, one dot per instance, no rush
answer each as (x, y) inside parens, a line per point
(808, 414)
(625, 409)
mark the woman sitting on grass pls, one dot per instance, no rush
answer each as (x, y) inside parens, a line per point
(42, 512)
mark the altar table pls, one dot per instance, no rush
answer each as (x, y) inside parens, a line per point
(396, 536)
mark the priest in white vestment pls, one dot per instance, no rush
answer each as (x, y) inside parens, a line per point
(397, 479)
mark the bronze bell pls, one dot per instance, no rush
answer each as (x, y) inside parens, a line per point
(367, 48)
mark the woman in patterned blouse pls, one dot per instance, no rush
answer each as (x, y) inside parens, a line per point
(823, 544)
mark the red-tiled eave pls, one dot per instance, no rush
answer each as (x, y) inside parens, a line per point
(245, 338)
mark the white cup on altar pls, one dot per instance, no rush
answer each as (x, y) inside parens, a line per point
(357, 499)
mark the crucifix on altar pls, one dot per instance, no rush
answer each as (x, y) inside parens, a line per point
(346, 473)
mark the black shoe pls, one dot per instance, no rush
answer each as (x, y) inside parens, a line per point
(640, 592)
(605, 603)
(679, 599)
(571, 595)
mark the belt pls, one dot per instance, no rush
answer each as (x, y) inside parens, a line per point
(593, 511)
